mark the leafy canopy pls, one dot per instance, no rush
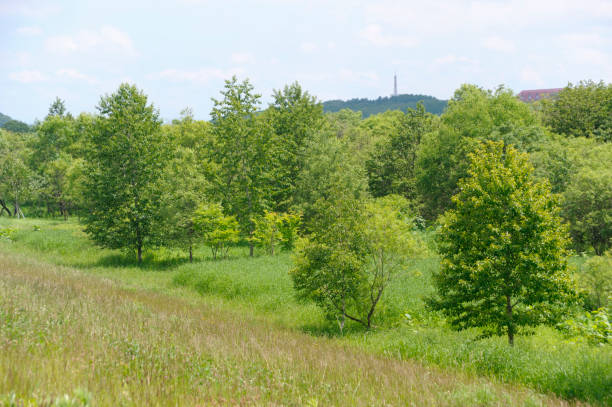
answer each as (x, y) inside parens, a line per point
(503, 248)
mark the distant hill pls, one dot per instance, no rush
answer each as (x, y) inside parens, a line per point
(4, 118)
(8, 123)
(369, 107)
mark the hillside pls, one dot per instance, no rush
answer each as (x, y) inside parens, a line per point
(121, 336)
(374, 106)
(4, 118)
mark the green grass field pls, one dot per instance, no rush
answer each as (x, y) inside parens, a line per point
(183, 318)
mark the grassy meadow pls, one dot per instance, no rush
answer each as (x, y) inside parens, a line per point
(90, 325)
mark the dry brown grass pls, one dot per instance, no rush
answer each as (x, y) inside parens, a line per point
(61, 330)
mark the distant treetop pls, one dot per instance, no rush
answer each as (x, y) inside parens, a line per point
(370, 107)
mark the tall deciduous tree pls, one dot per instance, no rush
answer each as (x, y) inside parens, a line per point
(473, 115)
(241, 147)
(584, 110)
(503, 247)
(391, 166)
(295, 116)
(125, 163)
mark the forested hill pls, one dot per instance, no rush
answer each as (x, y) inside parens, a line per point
(3, 119)
(373, 106)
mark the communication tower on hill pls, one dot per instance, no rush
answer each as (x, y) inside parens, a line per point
(395, 84)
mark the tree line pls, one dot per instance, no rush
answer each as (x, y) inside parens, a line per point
(503, 182)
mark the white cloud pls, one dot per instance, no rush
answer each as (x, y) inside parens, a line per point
(73, 74)
(243, 58)
(28, 76)
(29, 31)
(528, 74)
(452, 59)
(353, 76)
(451, 16)
(197, 76)
(106, 39)
(499, 44)
(374, 35)
(308, 47)
(28, 8)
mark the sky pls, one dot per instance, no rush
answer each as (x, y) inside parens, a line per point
(180, 52)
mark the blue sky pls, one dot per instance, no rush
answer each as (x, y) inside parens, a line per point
(179, 52)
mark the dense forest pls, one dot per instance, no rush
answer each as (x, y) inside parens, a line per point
(369, 107)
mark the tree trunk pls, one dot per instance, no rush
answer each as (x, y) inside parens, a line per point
(4, 208)
(139, 253)
(510, 322)
(190, 254)
(251, 249)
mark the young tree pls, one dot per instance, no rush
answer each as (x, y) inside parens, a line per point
(125, 163)
(218, 231)
(358, 249)
(503, 248)
(241, 153)
(274, 229)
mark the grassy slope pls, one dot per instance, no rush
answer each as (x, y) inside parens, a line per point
(260, 289)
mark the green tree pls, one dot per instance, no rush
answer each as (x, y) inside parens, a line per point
(274, 229)
(125, 164)
(241, 147)
(358, 249)
(185, 186)
(503, 248)
(391, 166)
(17, 180)
(587, 204)
(218, 230)
(583, 110)
(57, 108)
(295, 116)
(473, 115)
(596, 280)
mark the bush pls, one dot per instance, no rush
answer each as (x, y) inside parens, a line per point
(7, 234)
(593, 327)
(596, 281)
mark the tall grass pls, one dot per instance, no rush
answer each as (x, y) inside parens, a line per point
(261, 289)
(63, 332)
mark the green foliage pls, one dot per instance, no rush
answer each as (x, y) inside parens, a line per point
(582, 110)
(594, 327)
(125, 162)
(369, 107)
(331, 172)
(290, 228)
(7, 234)
(17, 180)
(473, 115)
(185, 185)
(391, 166)
(241, 146)
(587, 204)
(294, 117)
(16, 126)
(596, 279)
(218, 231)
(357, 251)
(261, 288)
(274, 229)
(504, 259)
